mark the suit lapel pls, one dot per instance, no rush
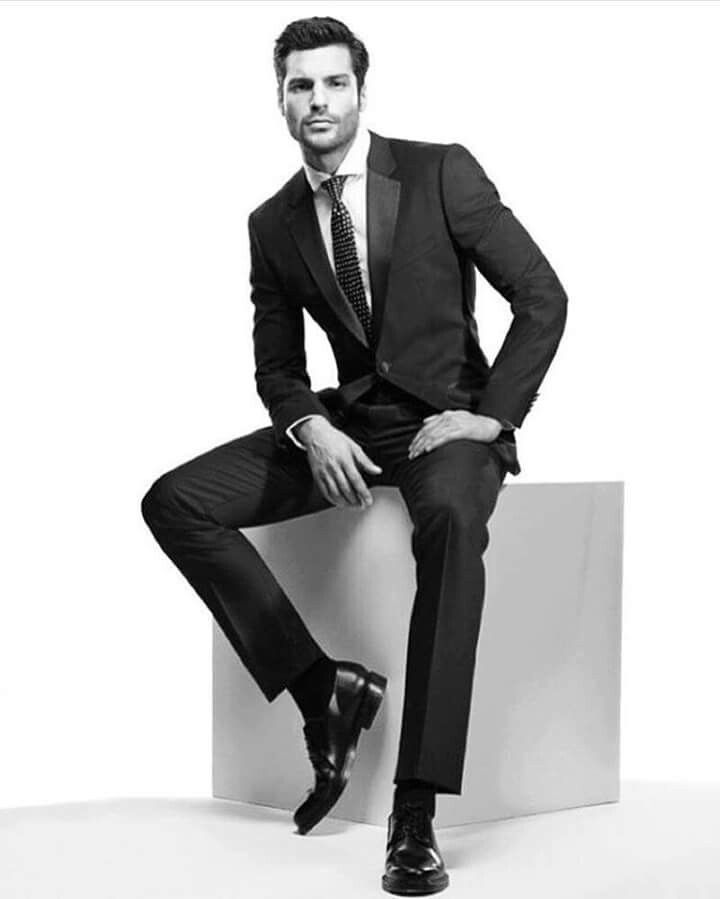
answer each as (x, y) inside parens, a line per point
(383, 199)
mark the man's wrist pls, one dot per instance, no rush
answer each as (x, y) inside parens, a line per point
(502, 423)
(505, 425)
(306, 428)
(292, 430)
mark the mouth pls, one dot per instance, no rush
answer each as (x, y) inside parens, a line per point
(319, 122)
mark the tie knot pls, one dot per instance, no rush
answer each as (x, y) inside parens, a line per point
(334, 186)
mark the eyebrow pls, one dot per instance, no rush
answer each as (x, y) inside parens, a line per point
(327, 78)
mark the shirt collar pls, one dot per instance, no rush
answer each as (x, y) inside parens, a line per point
(353, 164)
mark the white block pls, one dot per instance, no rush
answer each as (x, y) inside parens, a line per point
(545, 715)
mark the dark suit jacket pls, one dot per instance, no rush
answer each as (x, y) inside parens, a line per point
(433, 216)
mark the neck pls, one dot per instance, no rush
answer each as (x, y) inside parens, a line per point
(330, 161)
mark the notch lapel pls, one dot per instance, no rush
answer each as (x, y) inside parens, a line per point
(383, 200)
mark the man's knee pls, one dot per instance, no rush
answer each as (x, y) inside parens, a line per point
(163, 499)
(463, 499)
(466, 510)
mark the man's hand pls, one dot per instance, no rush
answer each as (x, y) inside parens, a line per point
(453, 424)
(334, 459)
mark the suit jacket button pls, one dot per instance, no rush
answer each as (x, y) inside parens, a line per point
(385, 366)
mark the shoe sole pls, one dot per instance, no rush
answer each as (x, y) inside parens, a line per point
(414, 889)
(367, 711)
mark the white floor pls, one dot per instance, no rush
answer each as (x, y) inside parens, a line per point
(659, 841)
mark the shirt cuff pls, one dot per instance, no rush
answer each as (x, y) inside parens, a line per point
(290, 434)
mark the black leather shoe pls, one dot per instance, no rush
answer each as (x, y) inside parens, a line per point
(413, 864)
(332, 738)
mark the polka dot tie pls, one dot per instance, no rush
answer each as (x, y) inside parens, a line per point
(347, 267)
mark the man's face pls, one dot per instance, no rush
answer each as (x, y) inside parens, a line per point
(320, 84)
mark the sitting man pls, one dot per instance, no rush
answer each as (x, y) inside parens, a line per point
(378, 240)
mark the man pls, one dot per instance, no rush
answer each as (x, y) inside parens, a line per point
(378, 240)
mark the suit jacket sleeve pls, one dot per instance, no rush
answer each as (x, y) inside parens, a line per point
(506, 255)
(281, 374)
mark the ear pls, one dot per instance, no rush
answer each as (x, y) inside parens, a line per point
(362, 101)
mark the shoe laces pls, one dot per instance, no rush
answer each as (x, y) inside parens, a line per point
(412, 820)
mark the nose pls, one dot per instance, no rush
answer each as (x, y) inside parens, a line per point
(318, 100)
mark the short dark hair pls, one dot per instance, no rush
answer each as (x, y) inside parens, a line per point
(319, 31)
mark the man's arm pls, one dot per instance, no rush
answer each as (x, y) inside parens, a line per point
(279, 346)
(335, 459)
(506, 255)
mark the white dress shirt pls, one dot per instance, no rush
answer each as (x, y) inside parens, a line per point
(353, 196)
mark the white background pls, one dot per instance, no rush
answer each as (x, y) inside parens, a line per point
(135, 140)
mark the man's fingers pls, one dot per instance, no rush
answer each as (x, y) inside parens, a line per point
(366, 463)
(340, 479)
(427, 439)
(424, 432)
(342, 488)
(362, 457)
(355, 486)
(329, 490)
(330, 485)
(416, 440)
(426, 446)
(418, 436)
(360, 487)
(433, 425)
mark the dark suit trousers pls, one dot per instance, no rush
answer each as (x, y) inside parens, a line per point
(195, 510)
